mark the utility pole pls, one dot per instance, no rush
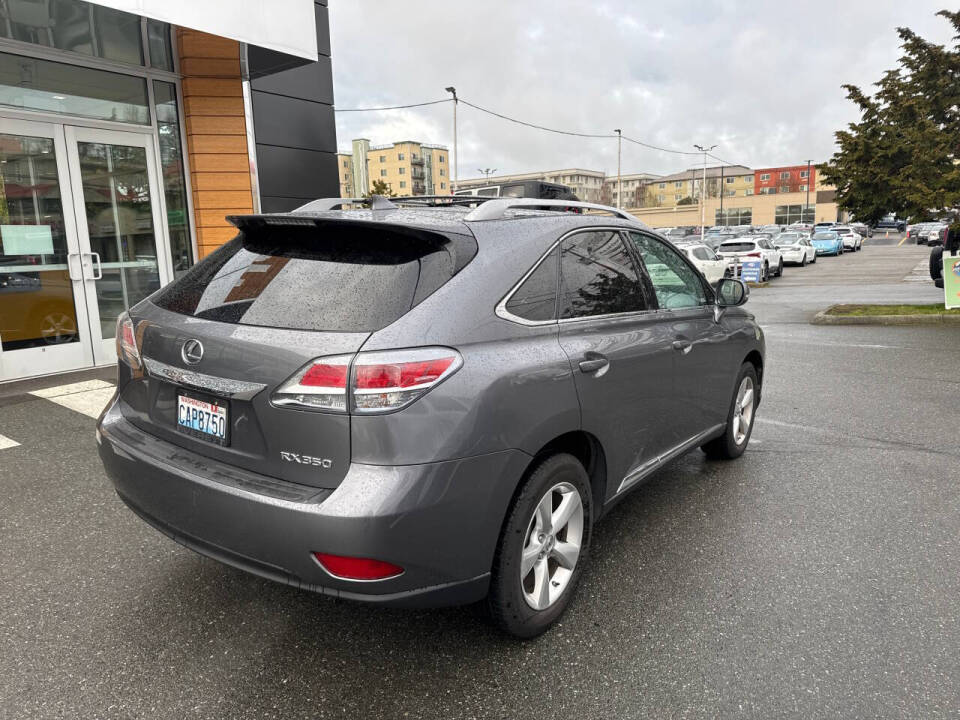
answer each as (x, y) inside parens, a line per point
(803, 215)
(486, 172)
(703, 187)
(721, 191)
(619, 183)
(456, 175)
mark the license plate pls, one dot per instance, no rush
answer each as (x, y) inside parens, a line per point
(206, 419)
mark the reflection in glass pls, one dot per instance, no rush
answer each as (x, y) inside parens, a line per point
(36, 295)
(74, 25)
(116, 198)
(60, 88)
(158, 39)
(174, 181)
(598, 276)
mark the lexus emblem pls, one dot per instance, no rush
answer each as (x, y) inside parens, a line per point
(192, 352)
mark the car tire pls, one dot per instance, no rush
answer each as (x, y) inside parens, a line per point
(734, 440)
(936, 264)
(803, 263)
(780, 268)
(766, 273)
(511, 595)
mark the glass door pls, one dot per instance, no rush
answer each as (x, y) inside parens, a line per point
(118, 215)
(43, 318)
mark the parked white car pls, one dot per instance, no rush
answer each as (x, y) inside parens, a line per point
(852, 240)
(795, 248)
(745, 249)
(713, 267)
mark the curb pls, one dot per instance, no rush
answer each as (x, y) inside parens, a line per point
(821, 318)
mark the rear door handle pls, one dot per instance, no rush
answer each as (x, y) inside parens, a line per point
(682, 346)
(593, 364)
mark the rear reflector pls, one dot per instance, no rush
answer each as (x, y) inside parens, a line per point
(354, 568)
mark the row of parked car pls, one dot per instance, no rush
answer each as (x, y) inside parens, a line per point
(928, 233)
(722, 250)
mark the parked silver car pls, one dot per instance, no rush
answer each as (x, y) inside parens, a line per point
(415, 405)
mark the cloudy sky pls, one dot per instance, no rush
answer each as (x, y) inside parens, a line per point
(759, 79)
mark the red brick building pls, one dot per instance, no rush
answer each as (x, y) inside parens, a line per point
(794, 178)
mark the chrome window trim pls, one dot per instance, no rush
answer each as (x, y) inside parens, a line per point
(228, 387)
(501, 308)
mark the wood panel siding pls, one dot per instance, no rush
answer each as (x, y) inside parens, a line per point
(215, 135)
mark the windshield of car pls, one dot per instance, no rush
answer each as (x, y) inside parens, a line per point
(825, 236)
(738, 246)
(786, 239)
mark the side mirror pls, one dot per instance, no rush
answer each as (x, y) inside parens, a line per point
(732, 292)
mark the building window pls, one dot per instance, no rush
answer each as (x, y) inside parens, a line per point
(399, 156)
(785, 175)
(662, 186)
(677, 197)
(803, 188)
(442, 172)
(678, 184)
(441, 158)
(383, 173)
(174, 181)
(784, 188)
(443, 186)
(346, 163)
(402, 171)
(786, 214)
(748, 191)
(734, 216)
(804, 174)
(731, 193)
(764, 177)
(730, 181)
(403, 183)
(383, 158)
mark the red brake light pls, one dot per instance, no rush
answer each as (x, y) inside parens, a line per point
(754, 254)
(401, 375)
(126, 339)
(326, 375)
(353, 568)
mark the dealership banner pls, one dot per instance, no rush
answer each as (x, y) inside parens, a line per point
(951, 281)
(287, 26)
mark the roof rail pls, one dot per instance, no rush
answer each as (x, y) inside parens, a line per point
(376, 202)
(496, 208)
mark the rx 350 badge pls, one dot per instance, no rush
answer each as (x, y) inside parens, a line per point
(324, 463)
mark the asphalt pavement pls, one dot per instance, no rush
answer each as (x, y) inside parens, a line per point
(816, 577)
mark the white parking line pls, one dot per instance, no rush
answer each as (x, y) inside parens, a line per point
(6, 442)
(88, 397)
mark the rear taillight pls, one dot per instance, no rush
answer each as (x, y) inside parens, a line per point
(126, 339)
(354, 568)
(377, 381)
(754, 254)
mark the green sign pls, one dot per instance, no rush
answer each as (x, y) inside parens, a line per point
(175, 218)
(951, 280)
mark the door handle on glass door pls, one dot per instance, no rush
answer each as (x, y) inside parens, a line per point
(682, 346)
(70, 257)
(99, 270)
(593, 362)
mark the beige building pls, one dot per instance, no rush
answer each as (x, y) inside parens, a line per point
(633, 187)
(407, 167)
(585, 184)
(781, 208)
(684, 187)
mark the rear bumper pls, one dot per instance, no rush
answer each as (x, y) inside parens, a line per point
(440, 521)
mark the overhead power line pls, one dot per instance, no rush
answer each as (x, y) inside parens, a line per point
(393, 107)
(534, 125)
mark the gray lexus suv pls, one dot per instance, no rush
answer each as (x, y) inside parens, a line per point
(424, 404)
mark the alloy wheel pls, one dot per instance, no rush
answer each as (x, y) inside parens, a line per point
(56, 328)
(743, 411)
(552, 548)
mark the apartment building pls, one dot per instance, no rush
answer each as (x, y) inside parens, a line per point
(587, 185)
(407, 167)
(779, 180)
(633, 187)
(683, 188)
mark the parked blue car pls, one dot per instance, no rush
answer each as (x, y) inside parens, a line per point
(827, 242)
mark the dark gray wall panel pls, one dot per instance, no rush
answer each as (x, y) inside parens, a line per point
(290, 122)
(291, 172)
(313, 81)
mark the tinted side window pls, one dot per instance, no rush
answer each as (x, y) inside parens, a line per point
(676, 284)
(598, 276)
(536, 298)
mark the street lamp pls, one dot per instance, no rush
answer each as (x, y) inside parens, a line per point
(453, 91)
(487, 172)
(619, 184)
(703, 187)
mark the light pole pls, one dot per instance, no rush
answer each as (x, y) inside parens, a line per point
(619, 187)
(703, 187)
(806, 205)
(453, 91)
(486, 172)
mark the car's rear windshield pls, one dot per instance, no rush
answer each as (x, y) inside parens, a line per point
(824, 236)
(737, 246)
(337, 279)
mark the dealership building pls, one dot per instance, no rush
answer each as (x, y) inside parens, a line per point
(129, 129)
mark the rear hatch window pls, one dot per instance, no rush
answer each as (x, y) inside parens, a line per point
(737, 247)
(335, 276)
